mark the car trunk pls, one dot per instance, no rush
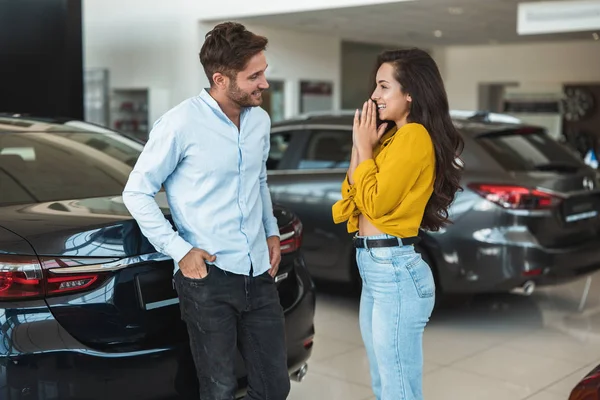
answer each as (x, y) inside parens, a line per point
(537, 162)
(101, 278)
(575, 218)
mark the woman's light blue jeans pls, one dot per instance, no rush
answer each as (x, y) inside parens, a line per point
(397, 299)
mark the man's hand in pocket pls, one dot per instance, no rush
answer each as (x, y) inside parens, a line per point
(274, 254)
(193, 265)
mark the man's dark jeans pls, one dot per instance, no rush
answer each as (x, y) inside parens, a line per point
(224, 312)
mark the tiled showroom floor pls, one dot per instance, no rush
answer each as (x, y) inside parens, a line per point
(497, 347)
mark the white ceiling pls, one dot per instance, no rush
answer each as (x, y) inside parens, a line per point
(461, 22)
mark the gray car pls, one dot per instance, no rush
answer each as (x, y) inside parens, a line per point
(528, 215)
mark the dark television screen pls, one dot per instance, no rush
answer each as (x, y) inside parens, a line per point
(41, 58)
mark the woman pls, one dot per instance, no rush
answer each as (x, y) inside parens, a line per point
(397, 183)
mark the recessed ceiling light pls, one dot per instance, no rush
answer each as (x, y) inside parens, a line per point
(595, 36)
(456, 10)
(438, 34)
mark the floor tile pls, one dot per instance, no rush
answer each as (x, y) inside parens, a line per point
(450, 384)
(350, 367)
(529, 371)
(319, 387)
(354, 367)
(493, 347)
(342, 328)
(544, 395)
(566, 385)
(326, 348)
(445, 350)
(560, 345)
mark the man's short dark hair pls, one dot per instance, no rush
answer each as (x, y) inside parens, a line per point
(228, 48)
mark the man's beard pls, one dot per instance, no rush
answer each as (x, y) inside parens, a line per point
(241, 98)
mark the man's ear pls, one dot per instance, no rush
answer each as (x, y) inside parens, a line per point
(221, 81)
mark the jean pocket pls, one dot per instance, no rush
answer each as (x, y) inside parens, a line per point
(266, 276)
(422, 277)
(209, 271)
(382, 255)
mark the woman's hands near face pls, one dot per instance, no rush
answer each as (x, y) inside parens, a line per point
(365, 134)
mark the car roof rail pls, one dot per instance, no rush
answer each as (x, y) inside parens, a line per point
(484, 116)
(469, 115)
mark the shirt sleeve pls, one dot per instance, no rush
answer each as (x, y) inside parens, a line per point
(342, 210)
(269, 220)
(380, 189)
(348, 190)
(158, 160)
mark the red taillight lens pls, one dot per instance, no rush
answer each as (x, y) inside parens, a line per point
(291, 237)
(590, 378)
(515, 197)
(308, 343)
(20, 277)
(62, 284)
(23, 277)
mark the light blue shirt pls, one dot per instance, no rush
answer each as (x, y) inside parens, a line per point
(215, 179)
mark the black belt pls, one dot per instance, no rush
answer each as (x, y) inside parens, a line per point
(389, 242)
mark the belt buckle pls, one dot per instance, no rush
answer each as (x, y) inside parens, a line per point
(359, 242)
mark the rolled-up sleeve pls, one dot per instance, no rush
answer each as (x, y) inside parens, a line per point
(344, 209)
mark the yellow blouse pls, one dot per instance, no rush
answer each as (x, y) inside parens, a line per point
(392, 189)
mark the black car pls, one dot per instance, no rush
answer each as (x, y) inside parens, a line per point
(529, 212)
(87, 305)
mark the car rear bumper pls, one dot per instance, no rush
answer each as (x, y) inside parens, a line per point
(485, 267)
(40, 360)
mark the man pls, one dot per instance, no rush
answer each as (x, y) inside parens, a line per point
(210, 154)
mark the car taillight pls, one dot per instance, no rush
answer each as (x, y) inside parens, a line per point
(291, 236)
(23, 277)
(62, 284)
(515, 197)
(20, 277)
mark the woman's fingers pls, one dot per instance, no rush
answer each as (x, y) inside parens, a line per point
(365, 112)
(381, 130)
(369, 121)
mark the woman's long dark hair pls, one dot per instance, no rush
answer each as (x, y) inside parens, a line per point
(420, 77)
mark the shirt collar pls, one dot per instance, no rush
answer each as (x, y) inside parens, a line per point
(388, 135)
(212, 103)
(208, 99)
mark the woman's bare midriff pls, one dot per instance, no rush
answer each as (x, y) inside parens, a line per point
(366, 228)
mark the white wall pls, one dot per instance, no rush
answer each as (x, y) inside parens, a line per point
(155, 45)
(294, 56)
(464, 67)
(145, 45)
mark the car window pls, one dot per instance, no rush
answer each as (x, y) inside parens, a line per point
(527, 152)
(42, 167)
(279, 145)
(327, 149)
